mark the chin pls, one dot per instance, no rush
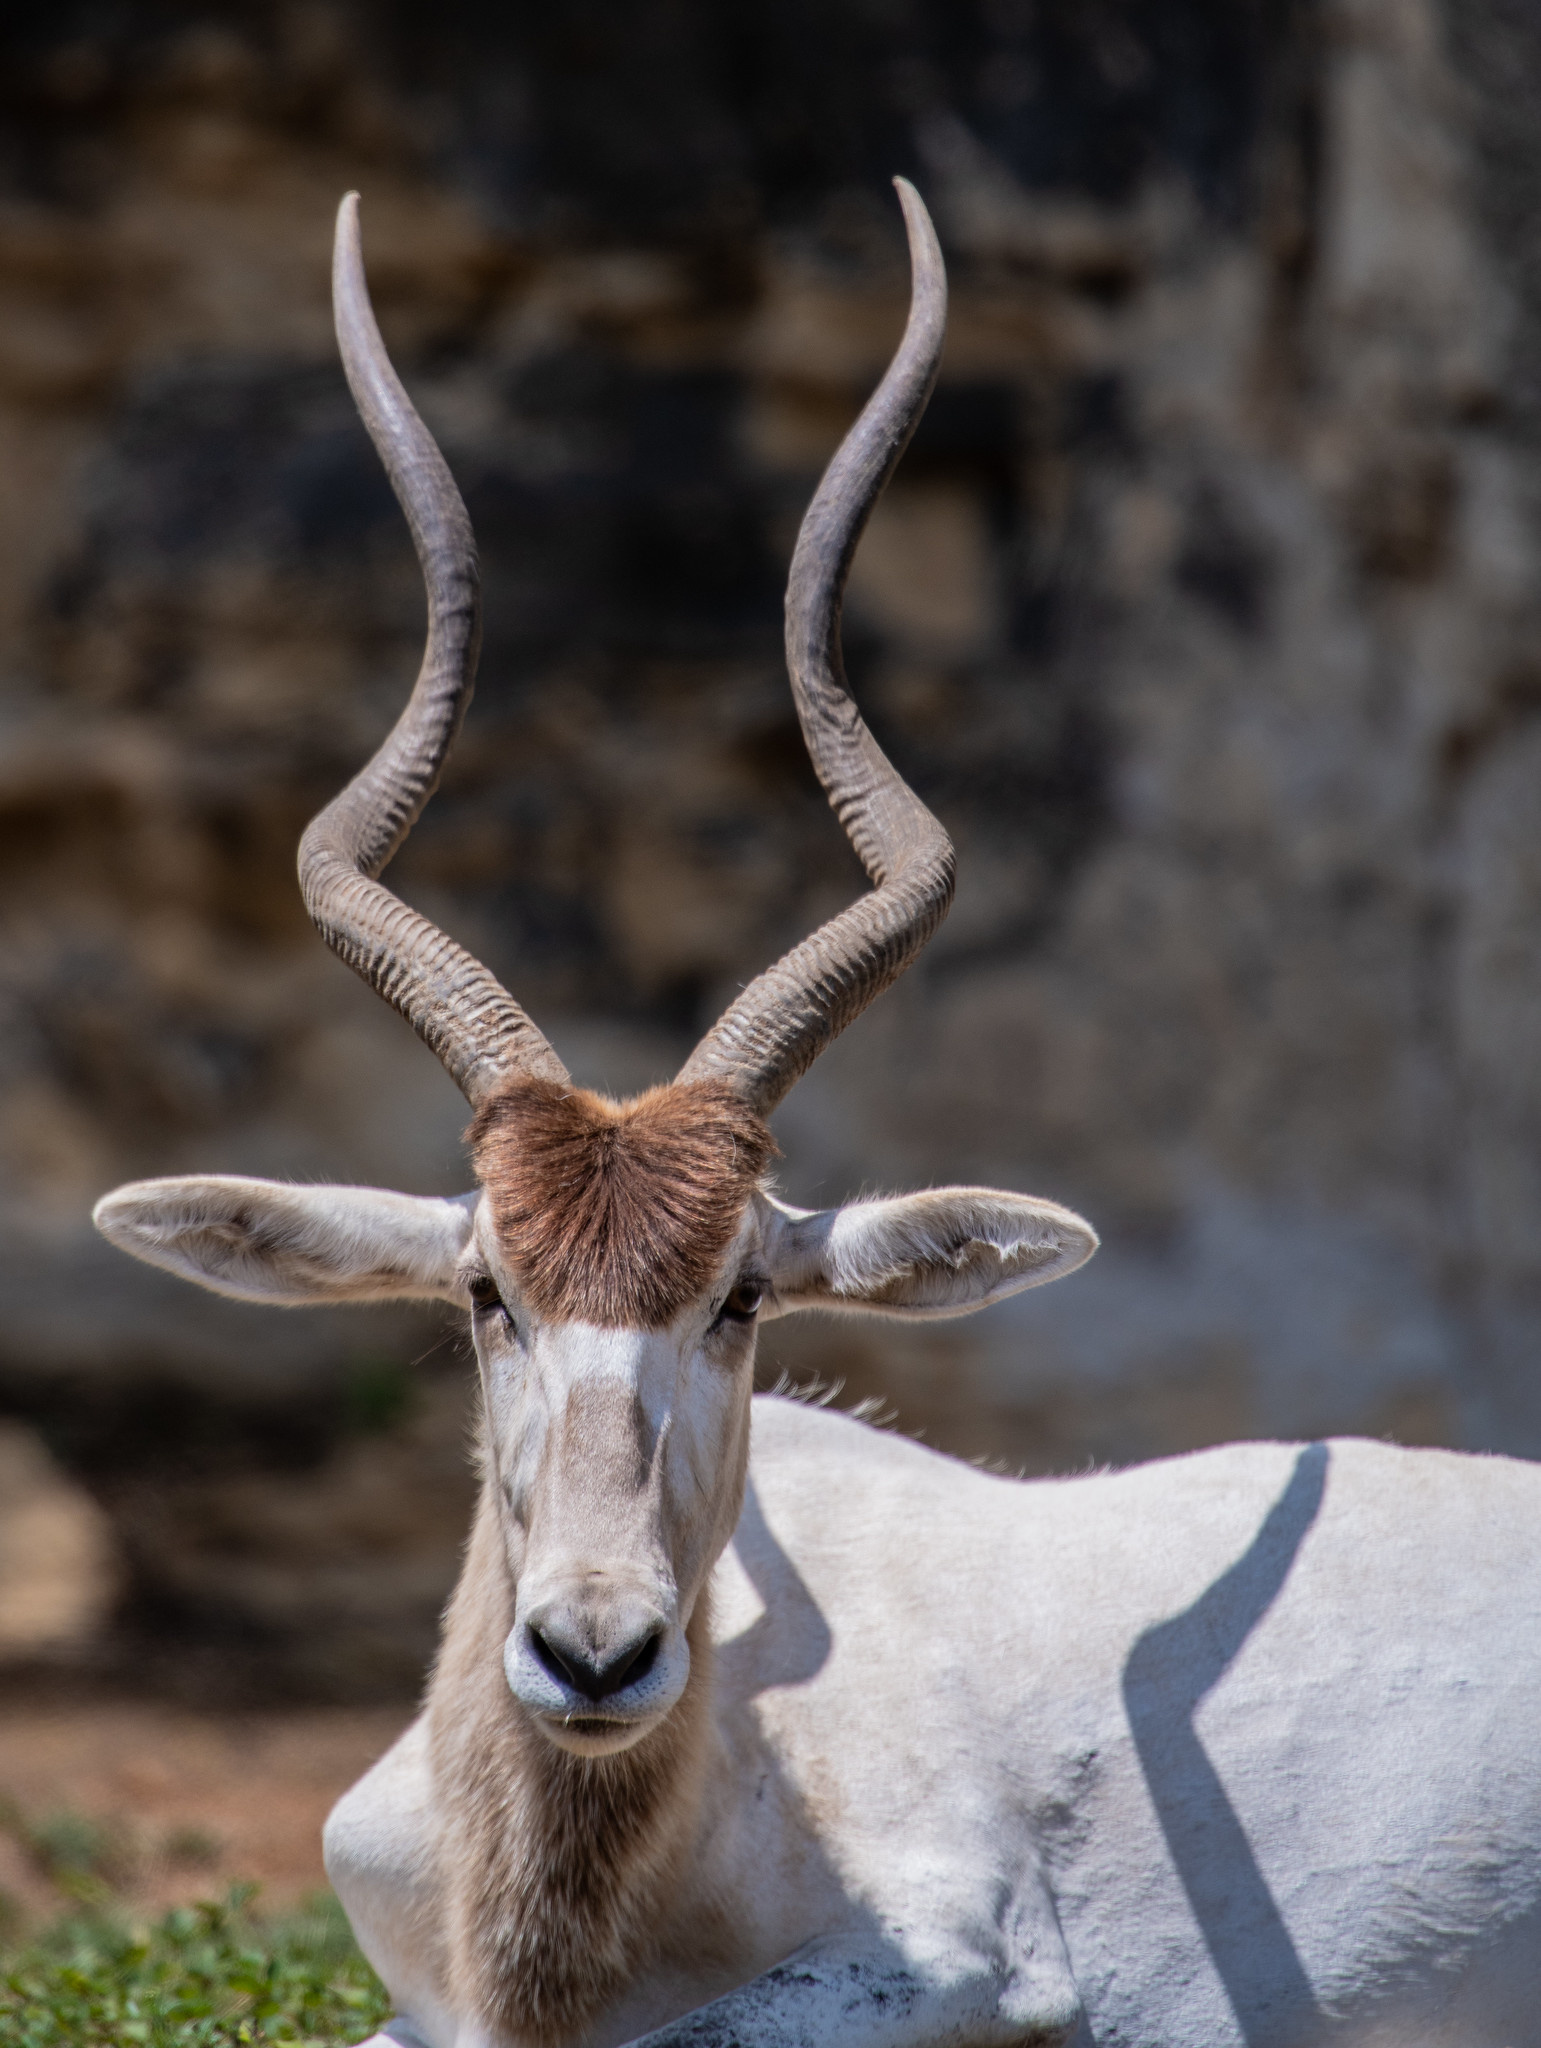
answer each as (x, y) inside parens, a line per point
(593, 1735)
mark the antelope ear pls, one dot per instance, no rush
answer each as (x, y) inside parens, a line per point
(941, 1253)
(262, 1240)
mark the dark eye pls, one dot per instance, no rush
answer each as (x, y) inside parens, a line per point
(485, 1297)
(743, 1303)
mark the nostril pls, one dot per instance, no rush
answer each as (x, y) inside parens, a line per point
(585, 1674)
(555, 1663)
(632, 1666)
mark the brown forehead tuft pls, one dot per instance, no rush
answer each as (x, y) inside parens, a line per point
(617, 1213)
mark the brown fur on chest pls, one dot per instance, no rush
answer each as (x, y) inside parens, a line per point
(559, 1870)
(617, 1213)
(575, 1897)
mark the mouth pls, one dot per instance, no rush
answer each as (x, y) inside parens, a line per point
(589, 1724)
(594, 1735)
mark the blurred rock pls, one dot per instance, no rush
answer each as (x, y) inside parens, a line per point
(59, 1567)
(1204, 610)
(322, 1582)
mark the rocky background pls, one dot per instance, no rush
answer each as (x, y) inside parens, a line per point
(1204, 611)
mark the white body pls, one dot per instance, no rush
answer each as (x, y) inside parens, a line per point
(1238, 1748)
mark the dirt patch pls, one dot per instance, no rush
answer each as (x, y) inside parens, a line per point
(154, 1806)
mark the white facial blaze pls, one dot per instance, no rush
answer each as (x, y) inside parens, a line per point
(619, 1457)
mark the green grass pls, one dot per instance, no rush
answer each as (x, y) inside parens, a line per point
(208, 1976)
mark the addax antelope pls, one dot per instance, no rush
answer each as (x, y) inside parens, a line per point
(754, 1727)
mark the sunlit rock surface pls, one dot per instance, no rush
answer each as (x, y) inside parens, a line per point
(59, 1569)
(1204, 611)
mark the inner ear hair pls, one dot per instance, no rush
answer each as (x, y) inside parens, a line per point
(291, 1245)
(942, 1252)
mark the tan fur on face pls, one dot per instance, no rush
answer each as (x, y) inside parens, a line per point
(617, 1213)
(558, 1869)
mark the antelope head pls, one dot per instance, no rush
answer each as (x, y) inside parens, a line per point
(616, 1258)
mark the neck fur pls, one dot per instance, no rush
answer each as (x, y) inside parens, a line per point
(553, 1864)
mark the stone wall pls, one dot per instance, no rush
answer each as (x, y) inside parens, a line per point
(1203, 611)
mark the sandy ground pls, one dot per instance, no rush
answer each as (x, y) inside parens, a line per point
(185, 1803)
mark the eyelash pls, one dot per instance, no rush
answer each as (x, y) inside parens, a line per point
(485, 1299)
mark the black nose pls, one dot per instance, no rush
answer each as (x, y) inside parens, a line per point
(596, 1674)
